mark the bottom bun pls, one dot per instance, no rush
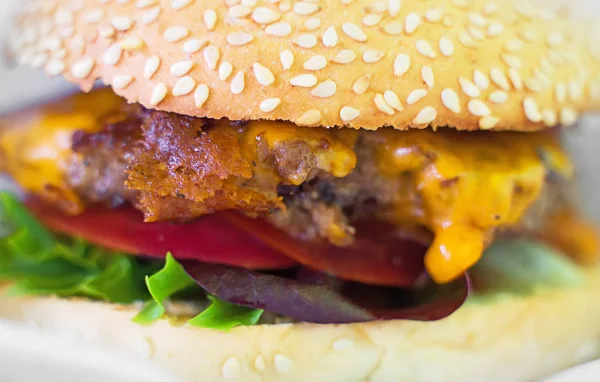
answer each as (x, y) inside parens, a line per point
(509, 338)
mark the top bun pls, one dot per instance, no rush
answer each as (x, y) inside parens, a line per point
(469, 64)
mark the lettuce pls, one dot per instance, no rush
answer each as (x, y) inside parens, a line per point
(37, 262)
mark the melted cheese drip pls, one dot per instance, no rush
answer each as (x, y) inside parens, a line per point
(465, 184)
(37, 143)
(468, 184)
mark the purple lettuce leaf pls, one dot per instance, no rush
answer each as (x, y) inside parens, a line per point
(326, 301)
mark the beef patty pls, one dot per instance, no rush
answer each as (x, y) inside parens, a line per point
(313, 185)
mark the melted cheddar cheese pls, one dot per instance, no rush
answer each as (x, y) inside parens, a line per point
(468, 184)
(464, 184)
(36, 143)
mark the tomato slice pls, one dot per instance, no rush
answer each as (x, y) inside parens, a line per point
(379, 256)
(211, 239)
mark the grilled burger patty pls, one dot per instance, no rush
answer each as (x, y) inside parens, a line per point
(175, 167)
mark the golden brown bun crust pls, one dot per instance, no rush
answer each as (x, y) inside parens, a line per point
(469, 64)
(509, 339)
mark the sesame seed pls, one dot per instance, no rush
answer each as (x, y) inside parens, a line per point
(433, 15)
(372, 19)
(315, 63)
(392, 99)
(250, 3)
(158, 94)
(401, 64)
(451, 101)
(515, 79)
(478, 108)
(330, 37)
(560, 93)
(495, 29)
(488, 122)
(225, 70)
(349, 114)
(312, 23)
(533, 84)
(264, 15)
(477, 20)
(281, 29)
(574, 91)
(55, 67)
(425, 49)
(93, 16)
(122, 24)
(466, 40)
(181, 68)
(394, 7)
(268, 106)
(287, 59)
(325, 89)
(240, 11)
(361, 85)
(555, 39)
(238, 83)
(446, 46)
(514, 46)
(469, 88)
(305, 40)
(285, 6)
(354, 32)
(184, 86)
(382, 105)
(490, 9)
(175, 34)
(309, 118)
(475, 33)
(212, 55)
(481, 80)
(549, 117)
(210, 19)
(132, 43)
(415, 96)
(121, 82)
(201, 95)
(372, 56)
(83, 68)
(531, 109)
(425, 116)
(304, 81)
(106, 32)
(180, 4)
(259, 363)
(112, 56)
(499, 79)
(263, 75)
(568, 116)
(392, 28)
(193, 46)
(428, 76)
(231, 369)
(344, 57)
(304, 8)
(498, 97)
(239, 38)
(150, 16)
(151, 67)
(411, 23)
(511, 61)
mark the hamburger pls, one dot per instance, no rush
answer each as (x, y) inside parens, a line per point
(305, 190)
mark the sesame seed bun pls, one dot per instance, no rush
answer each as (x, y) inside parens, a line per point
(469, 64)
(503, 339)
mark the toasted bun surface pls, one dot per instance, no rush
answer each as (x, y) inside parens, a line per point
(469, 64)
(503, 339)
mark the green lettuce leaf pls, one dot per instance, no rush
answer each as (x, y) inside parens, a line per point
(39, 263)
(173, 279)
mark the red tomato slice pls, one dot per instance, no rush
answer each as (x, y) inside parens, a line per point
(211, 239)
(378, 256)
